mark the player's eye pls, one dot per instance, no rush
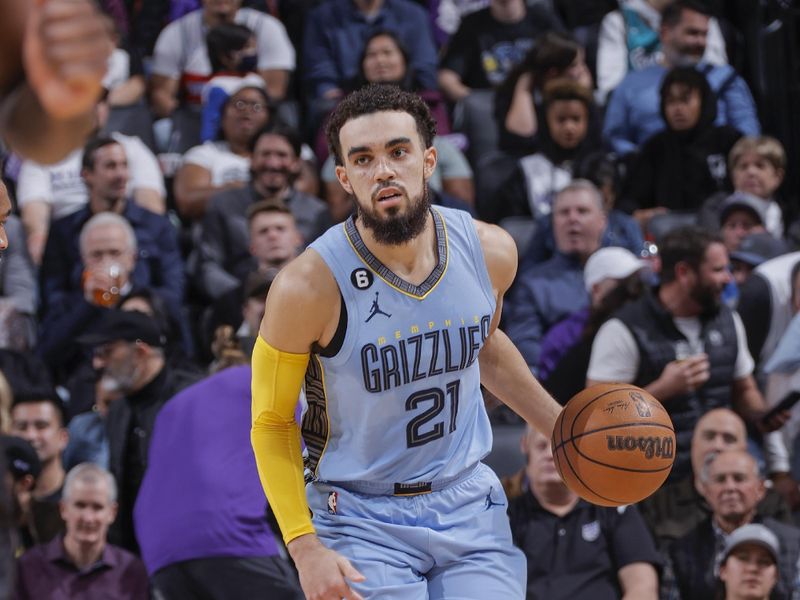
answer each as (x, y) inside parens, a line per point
(399, 152)
(361, 160)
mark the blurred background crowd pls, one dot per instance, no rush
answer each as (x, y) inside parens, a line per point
(640, 153)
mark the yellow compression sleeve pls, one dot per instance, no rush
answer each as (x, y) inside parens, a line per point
(277, 380)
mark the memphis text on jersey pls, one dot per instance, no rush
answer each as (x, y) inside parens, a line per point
(396, 360)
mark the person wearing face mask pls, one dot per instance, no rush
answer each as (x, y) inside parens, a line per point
(563, 140)
(129, 356)
(679, 167)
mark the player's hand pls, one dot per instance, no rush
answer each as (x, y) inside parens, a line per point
(65, 52)
(684, 376)
(323, 572)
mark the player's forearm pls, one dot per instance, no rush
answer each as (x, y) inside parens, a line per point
(505, 373)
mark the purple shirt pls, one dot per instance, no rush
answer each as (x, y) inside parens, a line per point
(46, 573)
(559, 339)
(201, 496)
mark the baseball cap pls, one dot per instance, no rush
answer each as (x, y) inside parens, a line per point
(743, 201)
(125, 325)
(21, 458)
(757, 248)
(612, 262)
(752, 534)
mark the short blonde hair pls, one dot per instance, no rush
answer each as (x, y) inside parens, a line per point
(764, 146)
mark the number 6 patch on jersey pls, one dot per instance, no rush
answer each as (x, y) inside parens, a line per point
(362, 279)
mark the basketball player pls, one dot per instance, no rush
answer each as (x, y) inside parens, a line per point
(390, 319)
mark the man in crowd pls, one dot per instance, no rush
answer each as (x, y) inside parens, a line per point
(129, 356)
(575, 549)
(677, 507)
(633, 116)
(731, 484)
(22, 467)
(158, 260)
(81, 564)
(38, 417)
(180, 60)
(223, 246)
(681, 344)
(548, 292)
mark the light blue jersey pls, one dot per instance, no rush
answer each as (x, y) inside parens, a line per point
(399, 406)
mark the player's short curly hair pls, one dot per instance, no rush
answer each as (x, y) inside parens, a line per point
(377, 98)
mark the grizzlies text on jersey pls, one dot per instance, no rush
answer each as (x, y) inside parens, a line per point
(400, 400)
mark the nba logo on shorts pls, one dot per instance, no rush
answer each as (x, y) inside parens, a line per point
(332, 499)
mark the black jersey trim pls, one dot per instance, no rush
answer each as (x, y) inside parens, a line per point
(337, 341)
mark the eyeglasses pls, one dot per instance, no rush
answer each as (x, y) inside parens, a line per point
(255, 107)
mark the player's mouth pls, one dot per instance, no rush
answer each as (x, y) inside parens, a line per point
(388, 196)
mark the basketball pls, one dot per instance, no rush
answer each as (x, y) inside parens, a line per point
(613, 444)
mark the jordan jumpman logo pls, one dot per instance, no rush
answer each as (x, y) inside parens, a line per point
(376, 310)
(489, 502)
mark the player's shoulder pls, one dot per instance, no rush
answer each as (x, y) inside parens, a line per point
(305, 281)
(496, 240)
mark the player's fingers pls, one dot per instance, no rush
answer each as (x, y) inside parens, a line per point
(351, 594)
(349, 570)
(58, 10)
(55, 32)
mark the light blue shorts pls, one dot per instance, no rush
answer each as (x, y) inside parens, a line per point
(452, 544)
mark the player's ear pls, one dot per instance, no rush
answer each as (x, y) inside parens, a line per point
(429, 162)
(344, 180)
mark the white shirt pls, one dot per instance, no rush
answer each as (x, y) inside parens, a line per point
(216, 157)
(615, 355)
(61, 185)
(612, 45)
(181, 46)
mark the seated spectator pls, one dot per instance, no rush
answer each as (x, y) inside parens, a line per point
(546, 293)
(632, 116)
(628, 41)
(563, 140)
(518, 100)
(180, 60)
(386, 59)
(603, 170)
(19, 291)
(129, 354)
(681, 343)
(489, 43)
(46, 193)
(613, 276)
(336, 33)
(81, 564)
(757, 166)
(224, 256)
(187, 542)
(86, 251)
(732, 486)
(679, 506)
(753, 250)
(231, 51)
(740, 215)
(681, 166)
(575, 549)
(749, 565)
(22, 469)
(224, 163)
(38, 417)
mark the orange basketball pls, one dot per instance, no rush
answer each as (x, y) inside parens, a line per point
(613, 444)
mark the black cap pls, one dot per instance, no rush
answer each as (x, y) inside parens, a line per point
(124, 325)
(757, 248)
(21, 458)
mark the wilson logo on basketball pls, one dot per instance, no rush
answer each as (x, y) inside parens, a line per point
(660, 447)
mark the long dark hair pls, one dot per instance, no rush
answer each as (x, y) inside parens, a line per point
(408, 81)
(630, 288)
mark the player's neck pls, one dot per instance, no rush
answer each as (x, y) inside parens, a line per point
(412, 261)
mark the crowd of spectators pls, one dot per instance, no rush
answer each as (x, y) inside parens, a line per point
(624, 151)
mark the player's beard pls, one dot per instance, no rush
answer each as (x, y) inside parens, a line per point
(397, 229)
